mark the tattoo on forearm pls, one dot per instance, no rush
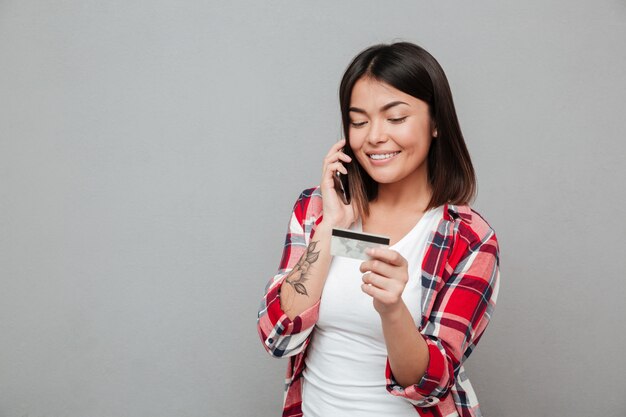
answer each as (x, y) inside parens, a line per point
(297, 277)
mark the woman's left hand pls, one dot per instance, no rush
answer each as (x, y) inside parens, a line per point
(386, 275)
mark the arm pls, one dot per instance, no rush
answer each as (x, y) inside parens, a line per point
(290, 306)
(407, 350)
(385, 277)
(461, 312)
(302, 287)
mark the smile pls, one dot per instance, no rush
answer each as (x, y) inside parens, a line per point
(379, 157)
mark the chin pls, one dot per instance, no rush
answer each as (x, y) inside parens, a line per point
(384, 179)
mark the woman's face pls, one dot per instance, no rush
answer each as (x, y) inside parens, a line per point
(390, 132)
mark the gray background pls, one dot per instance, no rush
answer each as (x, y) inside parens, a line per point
(151, 151)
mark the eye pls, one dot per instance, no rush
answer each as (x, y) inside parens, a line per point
(398, 120)
(358, 124)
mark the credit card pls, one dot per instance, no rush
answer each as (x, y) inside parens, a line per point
(352, 244)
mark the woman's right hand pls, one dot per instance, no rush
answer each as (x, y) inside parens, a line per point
(335, 213)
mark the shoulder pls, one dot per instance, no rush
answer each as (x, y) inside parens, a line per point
(312, 193)
(309, 203)
(470, 225)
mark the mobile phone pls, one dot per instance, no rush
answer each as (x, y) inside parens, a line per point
(341, 186)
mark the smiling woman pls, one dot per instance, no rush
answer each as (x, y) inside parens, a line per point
(409, 72)
(389, 335)
(389, 137)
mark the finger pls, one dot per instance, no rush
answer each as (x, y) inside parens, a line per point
(373, 291)
(389, 256)
(336, 147)
(329, 171)
(327, 178)
(343, 156)
(337, 157)
(379, 267)
(337, 166)
(378, 281)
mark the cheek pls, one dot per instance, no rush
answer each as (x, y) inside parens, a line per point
(356, 145)
(416, 136)
(356, 140)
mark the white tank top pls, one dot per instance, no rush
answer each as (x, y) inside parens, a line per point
(345, 362)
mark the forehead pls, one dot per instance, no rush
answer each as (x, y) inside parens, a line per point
(370, 88)
(371, 94)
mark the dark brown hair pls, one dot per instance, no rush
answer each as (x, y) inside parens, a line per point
(412, 70)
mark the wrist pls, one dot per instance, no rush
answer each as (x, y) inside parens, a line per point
(394, 314)
(325, 225)
(330, 224)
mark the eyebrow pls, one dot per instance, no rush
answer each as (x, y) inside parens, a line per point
(383, 108)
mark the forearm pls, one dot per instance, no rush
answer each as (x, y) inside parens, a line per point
(302, 288)
(406, 348)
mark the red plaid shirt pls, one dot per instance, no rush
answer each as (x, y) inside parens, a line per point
(460, 280)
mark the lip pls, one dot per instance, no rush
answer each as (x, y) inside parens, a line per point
(380, 152)
(381, 162)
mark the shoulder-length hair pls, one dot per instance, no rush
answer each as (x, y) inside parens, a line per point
(412, 70)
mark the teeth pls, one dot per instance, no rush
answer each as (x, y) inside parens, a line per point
(383, 156)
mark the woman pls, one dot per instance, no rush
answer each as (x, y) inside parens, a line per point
(389, 335)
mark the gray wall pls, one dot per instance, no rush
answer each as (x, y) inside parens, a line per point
(151, 151)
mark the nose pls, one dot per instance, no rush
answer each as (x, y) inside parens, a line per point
(377, 133)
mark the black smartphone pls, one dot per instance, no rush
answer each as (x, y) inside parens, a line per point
(341, 185)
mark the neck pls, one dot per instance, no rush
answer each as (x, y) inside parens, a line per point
(412, 194)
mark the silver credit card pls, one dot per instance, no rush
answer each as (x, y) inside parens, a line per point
(352, 244)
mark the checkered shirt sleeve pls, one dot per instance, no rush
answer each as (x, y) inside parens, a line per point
(464, 304)
(281, 336)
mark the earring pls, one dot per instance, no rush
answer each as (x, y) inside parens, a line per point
(435, 133)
